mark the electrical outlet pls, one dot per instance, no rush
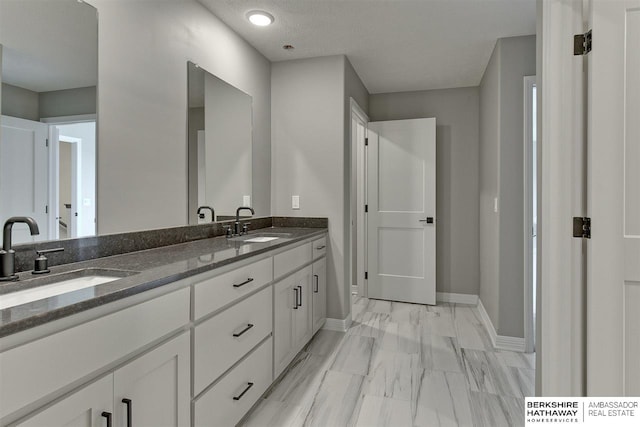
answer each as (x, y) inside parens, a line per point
(295, 202)
(246, 201)
(495, 204)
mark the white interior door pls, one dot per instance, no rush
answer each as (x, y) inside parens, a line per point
(613, 276)
(24, 176)
(401, 234)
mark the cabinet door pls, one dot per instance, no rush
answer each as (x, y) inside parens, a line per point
(319, 285)
(283, 334)
(83, 408)
(302, 324)
(156, 386)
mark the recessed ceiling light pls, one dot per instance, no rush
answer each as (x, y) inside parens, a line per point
(288, 47)
(260, 18)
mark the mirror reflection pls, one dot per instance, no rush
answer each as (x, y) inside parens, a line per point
(219, 140)
(49, 52)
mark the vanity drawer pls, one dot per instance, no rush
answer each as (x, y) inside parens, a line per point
(214, 293)
(291, 260)
(230, 399)
(216, 348)
(319, 247)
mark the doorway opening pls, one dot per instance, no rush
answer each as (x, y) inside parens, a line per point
(72, 177)
(359, 125)
(530, 210)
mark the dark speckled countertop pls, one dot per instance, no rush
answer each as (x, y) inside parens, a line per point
(155, 267)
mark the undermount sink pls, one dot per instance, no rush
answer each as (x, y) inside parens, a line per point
(260, 237)
(51, 286)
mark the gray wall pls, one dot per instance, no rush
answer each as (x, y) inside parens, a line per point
(142, 149)
(19, 102)
(307, 141)
(502, 110)
(489, 173)
(457, 152)
(70, 102)
(26, 104)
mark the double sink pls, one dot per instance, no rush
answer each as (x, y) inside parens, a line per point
(14, 293)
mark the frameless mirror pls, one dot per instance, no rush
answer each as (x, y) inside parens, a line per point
(49, 52)
(219, 141)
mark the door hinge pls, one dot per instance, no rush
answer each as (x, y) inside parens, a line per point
(582, 43)
(366, 275)
(46, 142)
(582, 227)
(366, 208)
(46, 209)
(366, 141)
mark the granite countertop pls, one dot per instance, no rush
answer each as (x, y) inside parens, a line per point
(149, 269)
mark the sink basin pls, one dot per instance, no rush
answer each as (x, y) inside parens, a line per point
(260, 237)
(59, 284)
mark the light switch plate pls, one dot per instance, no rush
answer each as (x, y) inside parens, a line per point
(495, 204)
(246, 201)
(295, 202)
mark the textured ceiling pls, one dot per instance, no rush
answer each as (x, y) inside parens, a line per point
(394, 45)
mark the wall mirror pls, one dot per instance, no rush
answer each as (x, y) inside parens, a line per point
(49, 52)
(219, 141)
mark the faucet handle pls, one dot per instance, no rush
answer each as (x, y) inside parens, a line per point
(245, 227)
(41, 264)
(227, 231)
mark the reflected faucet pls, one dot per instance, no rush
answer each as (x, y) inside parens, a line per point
(8, 255)
(201, 214)
(237, 230)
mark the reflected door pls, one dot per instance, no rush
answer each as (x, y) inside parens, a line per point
(401, 210)
(24, 176)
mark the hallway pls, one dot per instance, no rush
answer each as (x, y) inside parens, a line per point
(401, 365)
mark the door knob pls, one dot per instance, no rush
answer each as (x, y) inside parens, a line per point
(428, 220)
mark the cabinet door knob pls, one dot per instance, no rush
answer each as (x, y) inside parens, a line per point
(321, 247)
(129, 405)
(108, 416)
(300, 303)
(295, 298)
(317, 285)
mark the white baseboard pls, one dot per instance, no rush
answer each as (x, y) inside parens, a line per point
(501, 342)
(340, 325)
(457, 298)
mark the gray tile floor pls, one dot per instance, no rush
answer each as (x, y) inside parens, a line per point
(401, 365)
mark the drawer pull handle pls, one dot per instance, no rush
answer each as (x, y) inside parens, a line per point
(249, 280)
(317, 285)
(300, 303)
(129, 410)
(321, 247)
(249, 326)
(108, 416)
(249, 385)
(295, 298)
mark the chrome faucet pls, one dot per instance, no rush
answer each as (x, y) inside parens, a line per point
(237, 228)
(8, 255)
(201, 214)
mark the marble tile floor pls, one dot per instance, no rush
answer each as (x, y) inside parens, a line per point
(401, 365)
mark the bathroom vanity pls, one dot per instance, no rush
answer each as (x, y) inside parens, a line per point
(194, 334)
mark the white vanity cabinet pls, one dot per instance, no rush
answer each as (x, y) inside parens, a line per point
(152, 390)
(87, 407)
(319, 293)
(292, 327)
